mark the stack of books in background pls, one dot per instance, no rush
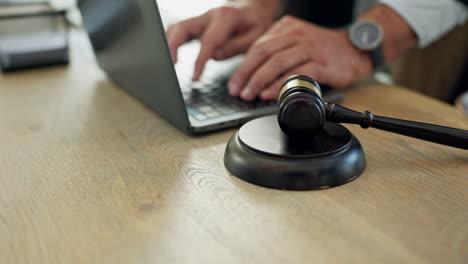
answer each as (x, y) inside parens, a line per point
(32, 34)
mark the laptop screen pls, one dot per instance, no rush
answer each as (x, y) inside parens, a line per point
(128, 39)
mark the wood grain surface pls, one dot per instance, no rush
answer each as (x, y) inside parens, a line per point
(89, 175)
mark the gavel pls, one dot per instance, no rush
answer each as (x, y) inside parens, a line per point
(302, 113)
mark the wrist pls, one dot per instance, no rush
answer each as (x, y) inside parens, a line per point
(399, 37)
(367, 37)
(361, 60)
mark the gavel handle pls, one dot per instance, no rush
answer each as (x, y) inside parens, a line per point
(439, 134)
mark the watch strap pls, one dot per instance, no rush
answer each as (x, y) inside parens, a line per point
(377, 57)
(376, 54)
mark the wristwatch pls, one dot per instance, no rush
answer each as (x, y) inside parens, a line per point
(368, 36)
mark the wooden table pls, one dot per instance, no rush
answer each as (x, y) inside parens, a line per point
(89, 175)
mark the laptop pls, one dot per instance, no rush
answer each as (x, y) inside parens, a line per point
(128, 39)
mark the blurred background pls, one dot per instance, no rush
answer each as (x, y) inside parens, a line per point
(439, 71)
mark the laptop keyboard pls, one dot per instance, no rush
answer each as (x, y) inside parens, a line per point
(207, 100)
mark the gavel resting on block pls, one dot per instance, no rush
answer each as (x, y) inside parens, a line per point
(305, 147)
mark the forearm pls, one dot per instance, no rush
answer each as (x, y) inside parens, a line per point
(398, 35)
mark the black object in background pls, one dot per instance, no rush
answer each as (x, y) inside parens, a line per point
(30, 38)
(329, 13)
(462, 84)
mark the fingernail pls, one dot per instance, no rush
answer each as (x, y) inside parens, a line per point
(196, 76)
(246, 94)
(233, 88)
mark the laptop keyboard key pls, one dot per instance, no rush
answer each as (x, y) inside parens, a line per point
(205, 108)
(192, 111)
(207, 100)
(200, 117)
(226, 110)
(213, 114)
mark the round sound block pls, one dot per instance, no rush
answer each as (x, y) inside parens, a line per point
(260, 153)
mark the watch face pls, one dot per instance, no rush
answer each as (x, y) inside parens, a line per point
(365, 35)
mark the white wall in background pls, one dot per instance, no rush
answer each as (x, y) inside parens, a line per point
(175, 10)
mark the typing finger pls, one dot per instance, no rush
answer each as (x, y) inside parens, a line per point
(260, 51)
(185, 31)
(281, 62)
(311, 69)
(238, 44)
(221, 26)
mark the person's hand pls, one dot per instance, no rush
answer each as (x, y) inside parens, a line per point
(293, 46)
(223, 32)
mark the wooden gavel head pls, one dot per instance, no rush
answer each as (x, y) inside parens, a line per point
(301, 110)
